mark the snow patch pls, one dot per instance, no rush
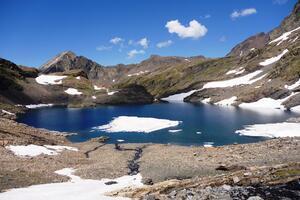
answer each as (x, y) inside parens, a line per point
(208, 144)
(99, 88)
(73, 91)
(283, 37)
(243, 80)
(236, 71)
(137, 124)
(75, 189)
(273, 59)
(272, 130)
(206, 100)
(35, 150)
(8, 113)
(179, 97)
(138, 73)
(111, 93)
(49, 79)
(78, 77)
(33, 106)
(227, 102)
(94, 97)
(293, 86)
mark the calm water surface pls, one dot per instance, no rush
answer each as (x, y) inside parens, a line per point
(216, 124)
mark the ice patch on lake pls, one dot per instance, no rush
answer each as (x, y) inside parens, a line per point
(175, 131)
(33, 106)
(35, 150)
(272, 130)
(75, 189)
(49, 79)
(73, 91)
(243, 80)
(137, 124)
(273, 59)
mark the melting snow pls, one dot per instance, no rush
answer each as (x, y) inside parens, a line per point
(273, 59)
(99, 88)
(284, 36)
(227, 102)
(293, 86)
(243, 80)
(138, 73)
(8, 113)
(73, 91)
(179, 97)
(35, 150)
(49, 79)
(75, 189)
(266, 103)
(33, 106)
(137, 124)
(284, 129)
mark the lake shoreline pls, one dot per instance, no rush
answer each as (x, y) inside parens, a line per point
(157, 162)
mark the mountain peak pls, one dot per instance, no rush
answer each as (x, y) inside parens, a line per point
(59, 62)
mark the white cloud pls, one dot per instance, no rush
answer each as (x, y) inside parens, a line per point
(243, 13)
(130, 42)
(103, 48)
(116, 40)
(134, 52)
(223, 39)
(164, 44)
(194, 30)
(144, 42)
(207, 16)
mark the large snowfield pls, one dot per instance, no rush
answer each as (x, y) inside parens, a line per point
(75, 189)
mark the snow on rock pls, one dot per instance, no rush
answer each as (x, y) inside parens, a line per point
(179, 97)
(94, 97)
(272, 60)
(33, 106)
(138, 73)
(35, 150)
(273, 130)
(137, 124)
(227, 102)
(268, 103)
(73, 91)
(206, 100)
(111, 93)
(99, 88)
(49, 79)
(243, 80)
(78, 77)
(236, 71)
(293, 86)
(283, 37)
(294, 40)
(75, 189)
(8, 113)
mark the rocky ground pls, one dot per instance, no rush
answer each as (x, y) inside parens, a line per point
(183, 168)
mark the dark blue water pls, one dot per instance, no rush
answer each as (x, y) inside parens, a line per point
(216, 124)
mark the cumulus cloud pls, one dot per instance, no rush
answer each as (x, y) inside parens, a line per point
(134, 52)
(243, 13)
(144, 42)
(194, 30)
(103, 48)
(116, 40)
(164, 44)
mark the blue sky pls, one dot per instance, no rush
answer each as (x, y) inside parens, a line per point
(128, 31)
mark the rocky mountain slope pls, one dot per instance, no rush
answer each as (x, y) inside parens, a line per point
(263, 69)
